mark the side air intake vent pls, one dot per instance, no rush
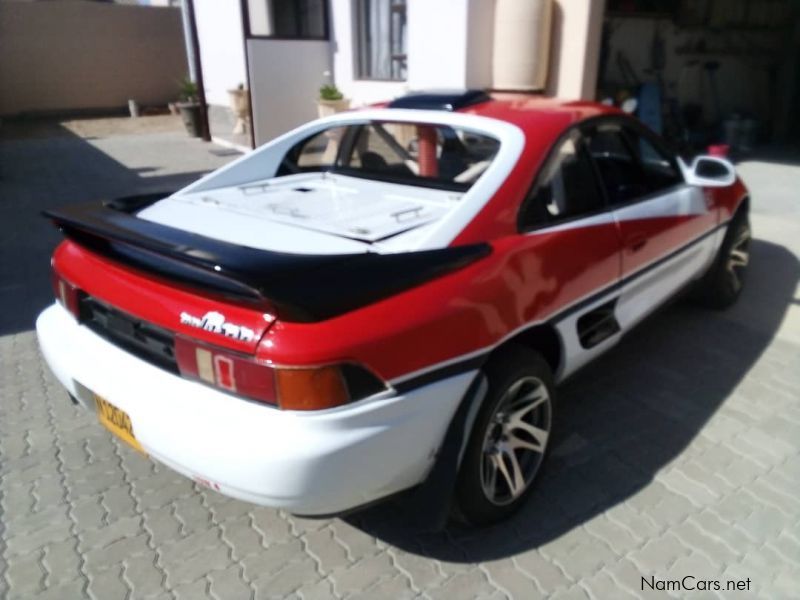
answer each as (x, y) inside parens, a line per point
(440, 100)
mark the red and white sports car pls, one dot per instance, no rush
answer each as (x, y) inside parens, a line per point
(384, 298)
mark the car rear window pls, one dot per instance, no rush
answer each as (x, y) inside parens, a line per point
(410, 153)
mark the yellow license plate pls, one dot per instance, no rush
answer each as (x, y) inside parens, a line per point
(117, 422)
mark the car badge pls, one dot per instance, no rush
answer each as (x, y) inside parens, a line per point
(214, 322)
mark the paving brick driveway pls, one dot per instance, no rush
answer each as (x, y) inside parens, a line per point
(677, 453)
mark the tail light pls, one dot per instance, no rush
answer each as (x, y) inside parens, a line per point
(66, 294)
(313, 388)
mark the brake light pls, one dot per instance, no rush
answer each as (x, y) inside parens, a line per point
(66, 294)
(313, 388)
(236, 373)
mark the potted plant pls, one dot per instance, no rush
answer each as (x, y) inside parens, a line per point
(190, 108)
(240, 105)
(331, 100)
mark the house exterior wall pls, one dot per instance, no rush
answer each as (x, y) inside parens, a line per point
(450, 44)
(73, 56)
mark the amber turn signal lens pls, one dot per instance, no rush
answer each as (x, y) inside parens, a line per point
(310, 389)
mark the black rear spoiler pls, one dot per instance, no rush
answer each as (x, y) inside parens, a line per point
(301, 287)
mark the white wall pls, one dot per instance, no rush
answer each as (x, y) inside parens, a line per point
(219, 29)
(449, 46)
(285, 76)
(437, 43)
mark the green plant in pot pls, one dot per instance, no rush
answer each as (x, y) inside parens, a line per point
(189, 107)
(331, 100)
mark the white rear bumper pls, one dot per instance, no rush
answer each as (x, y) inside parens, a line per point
(310, 463)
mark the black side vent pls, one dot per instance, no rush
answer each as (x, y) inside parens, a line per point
(598, 324)
(441, 100)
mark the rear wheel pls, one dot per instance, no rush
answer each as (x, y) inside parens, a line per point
(723, 283)
(510, 437)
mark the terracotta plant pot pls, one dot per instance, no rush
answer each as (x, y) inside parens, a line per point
(326, 108)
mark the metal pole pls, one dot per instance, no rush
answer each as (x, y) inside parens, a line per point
(187, 39)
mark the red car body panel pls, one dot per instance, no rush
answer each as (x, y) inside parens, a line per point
(527, 279)
(153, 300)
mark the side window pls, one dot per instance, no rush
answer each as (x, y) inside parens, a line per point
(317, 153)
(659, 168)
(620, 170)
(565, 188)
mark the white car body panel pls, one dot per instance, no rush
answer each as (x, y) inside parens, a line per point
(311, 463)
(321, 213)
(263, 163)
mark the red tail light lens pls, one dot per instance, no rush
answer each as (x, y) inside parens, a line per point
(314, 388)
(66, 294)
(234, 373)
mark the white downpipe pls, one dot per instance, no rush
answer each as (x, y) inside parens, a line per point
(187, 40)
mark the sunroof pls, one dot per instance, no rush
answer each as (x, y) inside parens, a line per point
(440, 100)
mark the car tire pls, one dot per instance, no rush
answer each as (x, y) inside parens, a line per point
(509, 440)
(720, 287)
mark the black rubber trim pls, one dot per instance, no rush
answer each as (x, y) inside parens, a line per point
(301, 287)
(476, 361)
(443, 100)
(435, 375)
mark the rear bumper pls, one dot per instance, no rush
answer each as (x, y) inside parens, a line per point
(316, 463)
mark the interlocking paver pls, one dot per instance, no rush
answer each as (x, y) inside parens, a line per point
(679, 454)
(142, 575)
(229, 584)
(324, 548)
(288, 579)
(108, 584)
(62, 562)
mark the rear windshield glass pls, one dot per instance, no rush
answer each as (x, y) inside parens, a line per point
(417, 154)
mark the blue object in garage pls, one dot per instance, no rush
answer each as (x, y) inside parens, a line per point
(649, 110)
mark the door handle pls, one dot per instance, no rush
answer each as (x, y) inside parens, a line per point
(636, 242)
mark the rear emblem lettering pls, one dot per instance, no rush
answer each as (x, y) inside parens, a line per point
(214, 322)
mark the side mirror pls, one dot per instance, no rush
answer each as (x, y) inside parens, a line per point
(710, 171)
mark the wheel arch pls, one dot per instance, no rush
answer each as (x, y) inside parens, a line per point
(542, 338)
(743, 207)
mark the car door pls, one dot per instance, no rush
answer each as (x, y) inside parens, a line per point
(662, 221)
(569, 256)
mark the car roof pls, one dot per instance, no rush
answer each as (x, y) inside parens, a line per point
(534, 110)
(543, 119)
(520, 108)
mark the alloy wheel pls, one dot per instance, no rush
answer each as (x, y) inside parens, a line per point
(738, 257)
(515, 440)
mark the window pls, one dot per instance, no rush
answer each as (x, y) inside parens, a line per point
(408, 153)
(381, 26)
(660, 170)
(620, 171)
(566, 187)
(300, 19)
